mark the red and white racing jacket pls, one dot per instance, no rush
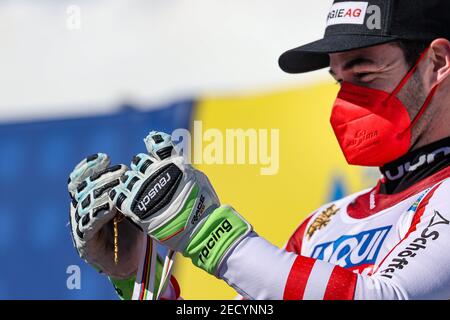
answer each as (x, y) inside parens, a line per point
(366, 246)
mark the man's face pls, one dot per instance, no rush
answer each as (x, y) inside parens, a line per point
(380, 67)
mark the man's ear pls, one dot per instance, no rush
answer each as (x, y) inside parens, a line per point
(440, 56)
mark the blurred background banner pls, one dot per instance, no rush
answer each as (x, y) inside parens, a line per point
(311, 168)
(66, 66)
(35, 246)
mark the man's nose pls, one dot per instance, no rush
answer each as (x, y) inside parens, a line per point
(339, 75)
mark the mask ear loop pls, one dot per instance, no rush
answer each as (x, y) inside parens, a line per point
(430, 96)
(427, 101)
(425, 105)
(409, 74)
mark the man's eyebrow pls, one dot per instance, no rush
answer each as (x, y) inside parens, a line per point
(353, 63)
(357, 61)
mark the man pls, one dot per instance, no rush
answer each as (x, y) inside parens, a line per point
(392, 60)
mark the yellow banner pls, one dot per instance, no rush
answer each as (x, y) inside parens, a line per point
(275, 194)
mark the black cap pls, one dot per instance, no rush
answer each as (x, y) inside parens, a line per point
(359, 24)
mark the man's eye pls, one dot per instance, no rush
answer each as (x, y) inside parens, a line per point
(364, 76)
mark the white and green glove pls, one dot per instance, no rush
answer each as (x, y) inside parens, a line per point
(176, 205)
(91, 218)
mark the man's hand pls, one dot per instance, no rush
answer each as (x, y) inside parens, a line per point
(176, 204)
(91, 215)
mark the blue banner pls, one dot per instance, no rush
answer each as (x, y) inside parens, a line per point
(36, 251)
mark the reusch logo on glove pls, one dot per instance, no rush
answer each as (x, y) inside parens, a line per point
(157, 191)
(142, 205)
(224, 227)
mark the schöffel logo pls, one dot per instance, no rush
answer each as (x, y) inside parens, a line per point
(356, 252)
(416, 246)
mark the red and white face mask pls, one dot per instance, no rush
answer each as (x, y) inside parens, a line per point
(372, 126)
